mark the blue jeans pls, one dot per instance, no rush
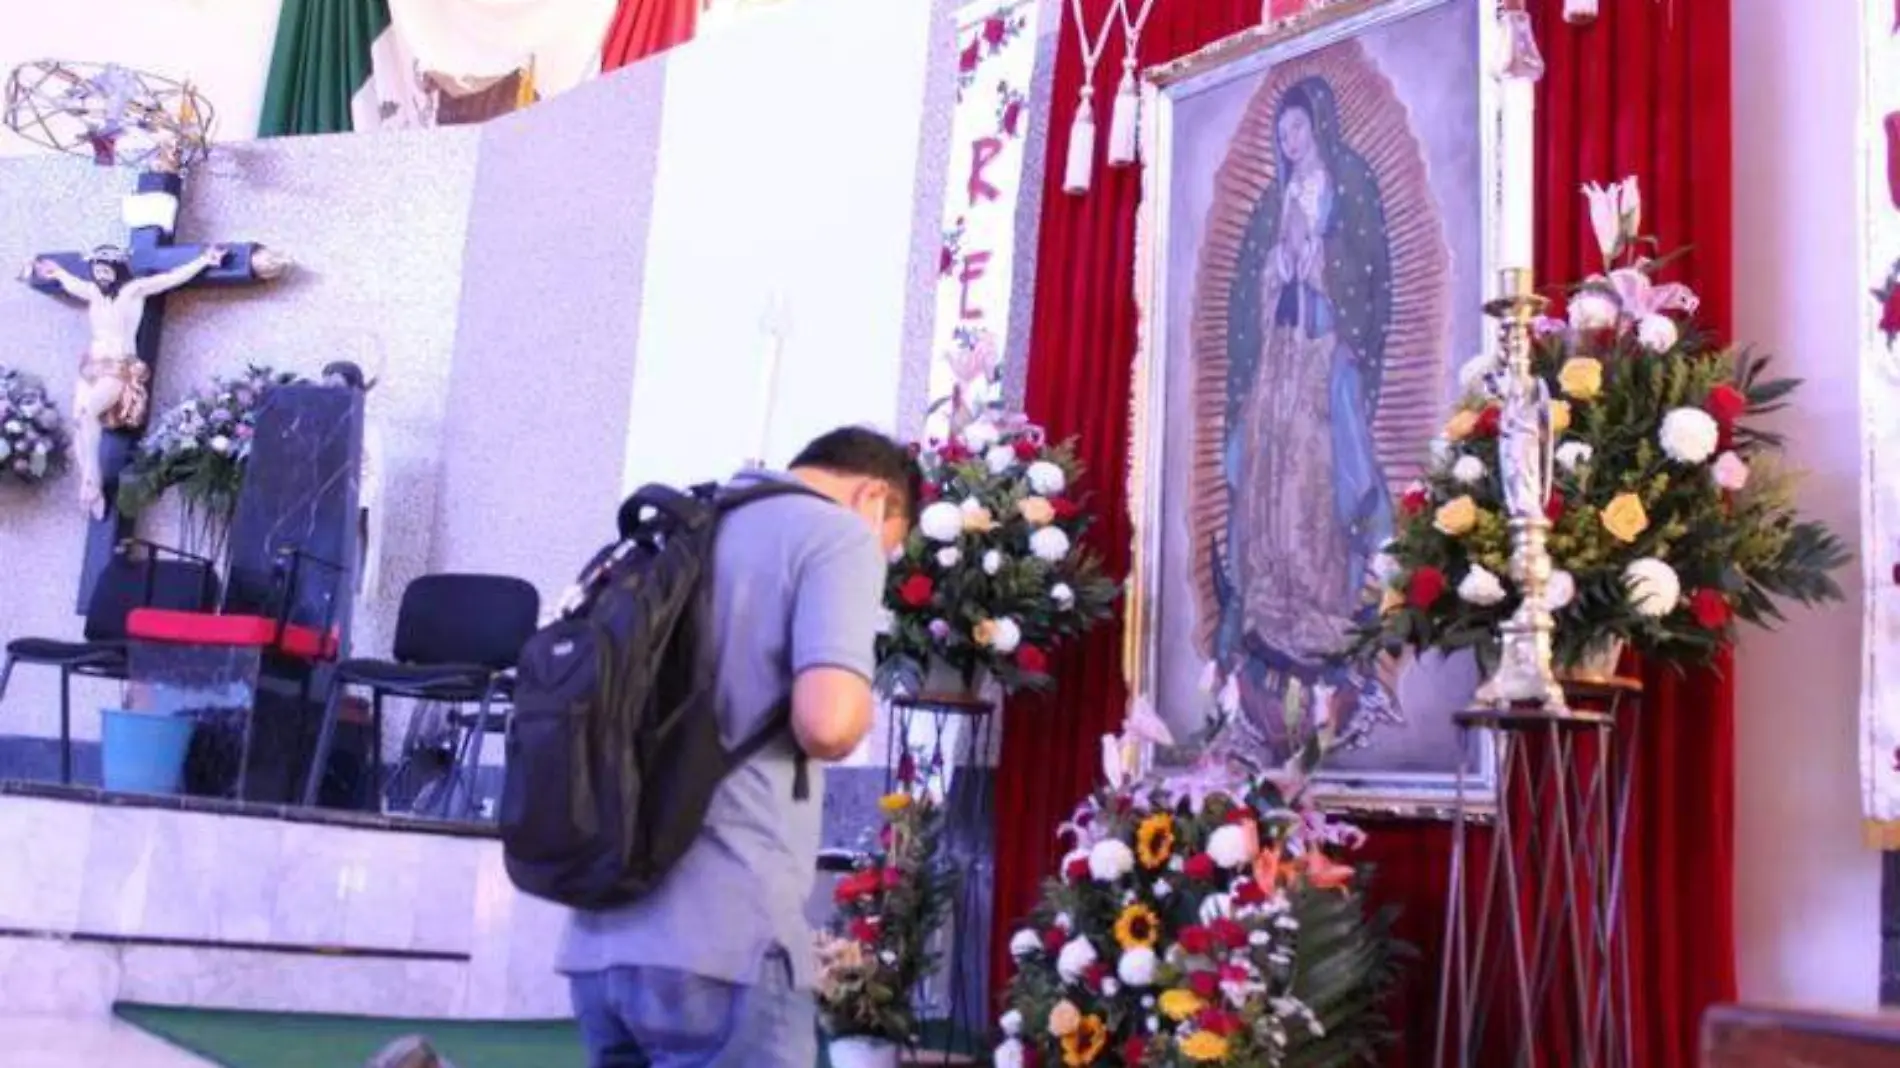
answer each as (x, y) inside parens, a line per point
(661, 1018)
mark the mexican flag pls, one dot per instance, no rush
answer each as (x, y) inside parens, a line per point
(337, 66)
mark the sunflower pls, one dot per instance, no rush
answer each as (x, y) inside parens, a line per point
(1179, 1004)
(1204, 1046)
(1082, 1045)
(1138, 926)
(1154, 841)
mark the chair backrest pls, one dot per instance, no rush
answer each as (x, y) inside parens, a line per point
(128, 583)
(466, 619)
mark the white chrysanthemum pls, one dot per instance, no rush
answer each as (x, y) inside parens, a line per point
(1075, 960)
(1110, 859)
(1068, 862)
(1062, 596)
(1049, 544)
(886, 620)
(1137, 967)
(999, 459)
(1162, 889)
(1063, 919)
(979, 436)
(1230, 846)
(1593, 310)
(1008, 1055)
(992, 562)
(942, 522)
(1011, 1023)
(1023, 943)
(1689, 435)
(1574, 454)
(1560, 589)
(220, 444)
(1658, 333)
(1730, 471)
(1047, 479)
(1009, 635)
(1471, 376)
(1654, 588)
(1110, 988)
(948, 558)
(1468, 469)
(1443, 452)
(1480, 587)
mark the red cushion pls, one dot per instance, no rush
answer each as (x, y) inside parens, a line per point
(206, 628)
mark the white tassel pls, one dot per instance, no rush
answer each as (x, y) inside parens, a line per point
(1580, 12)
(1124, 120)
(1080, 172)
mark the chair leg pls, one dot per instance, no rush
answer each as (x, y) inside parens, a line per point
(326, 736)
(66, 726)
(376, 782)
(475, 761)
(457, 759)
(244, 753)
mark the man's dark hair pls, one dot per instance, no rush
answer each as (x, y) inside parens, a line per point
(867, 454)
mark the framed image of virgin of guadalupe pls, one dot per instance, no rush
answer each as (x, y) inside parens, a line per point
(1314, 261)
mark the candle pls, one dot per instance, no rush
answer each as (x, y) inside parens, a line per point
(1517, 156)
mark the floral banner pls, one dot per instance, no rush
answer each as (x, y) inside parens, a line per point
(1880, 431)
(976, 287)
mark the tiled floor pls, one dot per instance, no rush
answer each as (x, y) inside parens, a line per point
(54, 1042)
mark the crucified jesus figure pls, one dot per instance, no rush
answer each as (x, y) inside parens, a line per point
(113, 392)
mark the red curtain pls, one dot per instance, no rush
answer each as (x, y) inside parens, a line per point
(1616, 100)
(642, 27)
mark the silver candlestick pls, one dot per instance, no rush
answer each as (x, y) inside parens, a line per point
(1525, 450)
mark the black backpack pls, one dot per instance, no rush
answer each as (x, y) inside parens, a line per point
(614, 750)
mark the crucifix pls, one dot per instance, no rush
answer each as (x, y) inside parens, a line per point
(124, 292)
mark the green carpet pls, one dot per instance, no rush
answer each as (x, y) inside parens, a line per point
(292, 1040)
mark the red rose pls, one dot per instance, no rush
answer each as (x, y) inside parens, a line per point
(1709, 608)
(1195, 940)
(1077, 871)
(1228, 933)
(1094, 976)
(1133, 1051)
(1026, 449)
(1065, 508)
(864, 929)
(1415, 500)
(1725, 404)
(1053, 940)
(1238, 814)
(1218, 1021)
(1199, 867)
(954, 453)
(1204, 983)
(1487, 422)
(931, 494)
(1032, 661)
(1424, 587)
(1554, 507)
(854, 886)
(916, 591)
(1250, 894)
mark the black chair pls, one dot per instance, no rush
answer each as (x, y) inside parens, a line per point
(457, 639)
(139, 575)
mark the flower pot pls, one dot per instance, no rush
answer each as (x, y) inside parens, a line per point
(1598, 661)
(858, 1052)
(143, 753)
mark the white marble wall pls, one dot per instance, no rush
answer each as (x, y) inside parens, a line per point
(102, 871)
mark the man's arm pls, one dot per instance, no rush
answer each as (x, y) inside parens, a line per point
(834, 642)
(153, 284)
(72, 286)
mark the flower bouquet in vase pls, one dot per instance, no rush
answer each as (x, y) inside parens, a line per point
(878, 949)
(33, 438)
(1671, 517)
(995, 575)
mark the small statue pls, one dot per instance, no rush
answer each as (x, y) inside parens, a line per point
(113, 391)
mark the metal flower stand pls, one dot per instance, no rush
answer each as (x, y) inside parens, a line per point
(950, 742)
(1536, 958)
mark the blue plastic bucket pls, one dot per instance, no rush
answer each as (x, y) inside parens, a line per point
(143, 753)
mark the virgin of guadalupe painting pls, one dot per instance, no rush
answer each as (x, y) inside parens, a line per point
(1317, 275)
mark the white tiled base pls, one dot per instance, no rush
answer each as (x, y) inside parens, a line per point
(59, 1042)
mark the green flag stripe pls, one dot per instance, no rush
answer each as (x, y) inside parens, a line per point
(320, 60)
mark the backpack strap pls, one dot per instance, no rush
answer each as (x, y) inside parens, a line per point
(779, 721)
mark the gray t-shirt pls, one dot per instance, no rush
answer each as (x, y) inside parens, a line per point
(797, 584)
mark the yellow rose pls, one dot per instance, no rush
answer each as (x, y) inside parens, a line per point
(1064, 1018)
(1559, 416)
(1037, 511)
(1462, 423)
(894, 803)
(978, 521)
(1456, 517)
(984, 633)
(1205, 1046)
(1624, 517)
(1180, 1004)
(1391, 602)
(1581, 377)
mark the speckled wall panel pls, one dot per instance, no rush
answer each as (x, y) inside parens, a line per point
(549, 327)
(376, 224)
